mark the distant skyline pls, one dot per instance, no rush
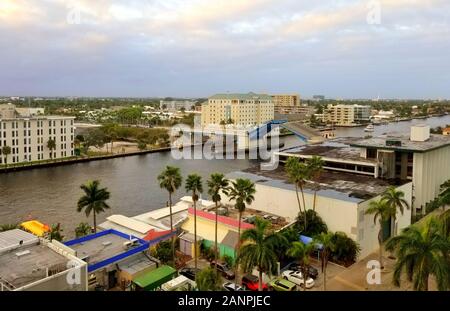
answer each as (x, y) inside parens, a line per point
(180, 48)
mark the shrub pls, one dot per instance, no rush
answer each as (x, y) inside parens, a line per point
(315, 224)
(228, 260)
(82, 229)
(163, 251)
(346, 249)
(208, 280)
(207, 252)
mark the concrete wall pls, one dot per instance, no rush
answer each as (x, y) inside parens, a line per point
(431, 169)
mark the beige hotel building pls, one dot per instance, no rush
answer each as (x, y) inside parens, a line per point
(28, 136)
(243, 109)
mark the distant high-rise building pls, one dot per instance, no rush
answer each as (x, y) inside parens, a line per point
(319, 97)
(286, 100)
(28, 136)
(238, 109)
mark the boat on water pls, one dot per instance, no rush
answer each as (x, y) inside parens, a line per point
(369, 128)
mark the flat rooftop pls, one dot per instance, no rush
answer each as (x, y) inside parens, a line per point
(338, 148)
(103, 246)
(17, 271)
(379, 142)
(338, 185)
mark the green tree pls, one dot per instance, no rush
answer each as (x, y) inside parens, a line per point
(382, 212)
(208, 280)
(51, 145)
(94, 200)
(395, 199)
(301, 252)
(6, 151)
(163, 251)
(242, 191)
(8, 227)
(444, 195)
(298, 173)
(56, 233)
(422, 252)
(258, 249)
(217, 184)
(82, 229)
(195, 186)
(325, 240)
(346, 250)
(314, 224)
(170, 179)
(315, 168)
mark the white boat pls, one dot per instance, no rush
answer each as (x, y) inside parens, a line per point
(369, 128)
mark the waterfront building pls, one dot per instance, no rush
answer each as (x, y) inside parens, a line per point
(177, 105)
(28, 136)
(113, 258)
(29, 263)
(286, 100)
(346, 115)
(239, 109)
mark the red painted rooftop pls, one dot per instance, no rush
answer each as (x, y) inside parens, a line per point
(221, 219)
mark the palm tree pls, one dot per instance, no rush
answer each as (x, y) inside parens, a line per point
(444, 195)
(216, 184)
(93, 200)
(298, 173)
(301, 251)
(325, 240)
(315, 166)
(382, 212)
(6, 150)
(170, 179)
(242, 191)
(395, 199)
(422, 251)
(194, 185)
(82, 229)
(258, 249)
(56, 233)
(51, 145)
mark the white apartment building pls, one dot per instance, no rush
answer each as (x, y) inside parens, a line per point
(177, 105)
(28, 137)
(346, 115)
(242, 109)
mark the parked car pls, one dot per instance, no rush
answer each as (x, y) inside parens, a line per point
(312, 271)
(231, 287)
(251, 282)
(190, 273)
(297, 278)
(281, 285)
(223, 268)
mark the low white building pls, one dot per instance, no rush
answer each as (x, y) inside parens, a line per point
(28, 263)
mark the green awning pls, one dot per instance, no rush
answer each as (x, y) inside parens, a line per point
(155, 278)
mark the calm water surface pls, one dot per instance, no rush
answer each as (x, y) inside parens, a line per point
(51, 194)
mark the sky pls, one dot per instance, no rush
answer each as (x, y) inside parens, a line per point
(196, 48)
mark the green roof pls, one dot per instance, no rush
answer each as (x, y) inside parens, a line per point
(248, 96)
(155, 278)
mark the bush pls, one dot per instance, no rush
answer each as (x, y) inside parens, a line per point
(228, 260)
(163, 251)
(208, 280)
(315, 224)
(346, 249)
(207, 252)
(82, 229)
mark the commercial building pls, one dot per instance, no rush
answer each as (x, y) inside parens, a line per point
(33, 264)
(239, 109)
(346, 115)
(177, 105)
(108, 253)
(286, 100)
(28, 136)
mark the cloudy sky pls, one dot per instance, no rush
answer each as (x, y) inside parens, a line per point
(194, 48)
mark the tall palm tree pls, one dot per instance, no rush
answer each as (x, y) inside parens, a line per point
(170, 179)
(242, 191)
(258, 249)
(6, 151)
(396, 200)
(422, 251)
(327, 243)
(217, 184)
(298, 173)
(382, 212)
(51, 145)
(194, 185)
(93, 200)
(301, 251)
(315, 166)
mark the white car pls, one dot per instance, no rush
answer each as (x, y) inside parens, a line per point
(296, 277)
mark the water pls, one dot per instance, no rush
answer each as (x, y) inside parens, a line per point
(50, 195)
